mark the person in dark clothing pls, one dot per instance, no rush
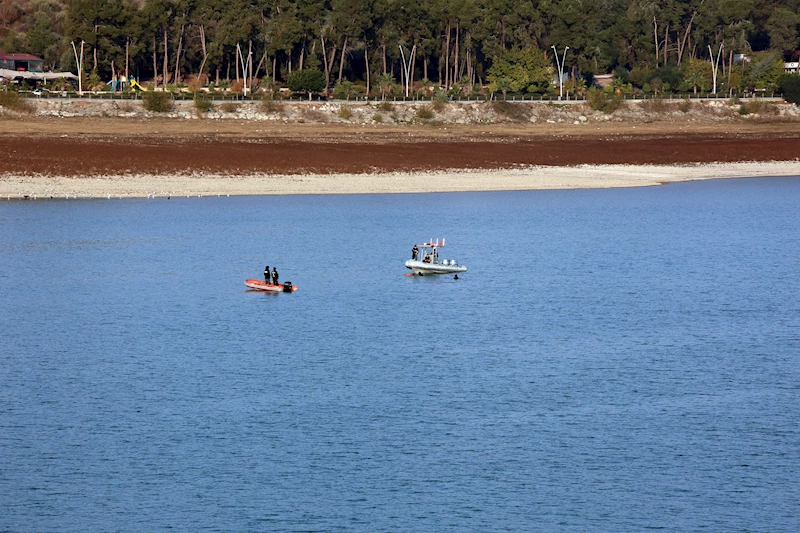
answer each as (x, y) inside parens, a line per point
(274, 276)
(266, 274)
(414, 252)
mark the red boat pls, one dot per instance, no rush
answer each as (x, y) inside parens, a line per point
(261, 285)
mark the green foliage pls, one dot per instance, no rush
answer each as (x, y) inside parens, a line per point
(203, 103)
(306, 80)
(345, 90)
(157, 102)
(12, 100)
(767, 68)
(603, 101)
(525, 70)
(345, 112)
(377, 117)
(789, 85)
(696, 75)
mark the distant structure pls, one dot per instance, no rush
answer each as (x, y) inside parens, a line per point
(22, 62)
(792, 67)
(16, 67)
(602, 80)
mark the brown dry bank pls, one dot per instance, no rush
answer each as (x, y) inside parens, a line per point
(73, 147)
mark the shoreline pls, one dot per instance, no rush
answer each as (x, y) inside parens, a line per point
(144, 185)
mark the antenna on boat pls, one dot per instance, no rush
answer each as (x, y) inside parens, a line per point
(442, 241)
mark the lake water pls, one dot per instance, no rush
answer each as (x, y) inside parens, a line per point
(613, 360)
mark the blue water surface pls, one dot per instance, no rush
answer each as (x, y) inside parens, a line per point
(613, 360)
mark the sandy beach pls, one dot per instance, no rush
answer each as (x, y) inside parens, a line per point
(535, 177)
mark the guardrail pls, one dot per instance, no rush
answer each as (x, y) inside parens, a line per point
(232, 97)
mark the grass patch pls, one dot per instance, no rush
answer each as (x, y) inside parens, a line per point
(377, 117)
(386, 107)
(345, 112)
(439, 105)
(685, 106)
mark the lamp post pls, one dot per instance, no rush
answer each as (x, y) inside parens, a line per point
(407, 67)
(79, 62)
(715, 64)
(245, 67)
(560, 70)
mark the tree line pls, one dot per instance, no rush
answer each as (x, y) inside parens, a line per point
(511, 45)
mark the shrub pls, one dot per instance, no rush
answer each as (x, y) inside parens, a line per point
(425, 113)
(377, 117)
(511, 110)
(157, 102)
(12, 100)
(602, 101)
(345, 112)
(229, 107)
(655, 105)
(686, 106)
(790, 87)
(202, 103)
(438, 105)
(386, 107)
(268, 105)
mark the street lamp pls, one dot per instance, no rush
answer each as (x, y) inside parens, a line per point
(560, 72)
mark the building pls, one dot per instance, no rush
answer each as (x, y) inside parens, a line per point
(792, 67)
(22, 62)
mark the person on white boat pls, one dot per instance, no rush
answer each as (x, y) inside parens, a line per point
(274, 276)
(427, 258)
(435, 255)
(414, 252)
(266, 274)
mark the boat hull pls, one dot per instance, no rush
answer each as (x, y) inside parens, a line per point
(260, 285)
(420, 267)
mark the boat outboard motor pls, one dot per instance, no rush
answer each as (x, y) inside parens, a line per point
(287, 286)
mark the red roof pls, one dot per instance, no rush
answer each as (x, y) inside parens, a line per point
(20, 57)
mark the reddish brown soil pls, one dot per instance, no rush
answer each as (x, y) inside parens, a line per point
(332, 150)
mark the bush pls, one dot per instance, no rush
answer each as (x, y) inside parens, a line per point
(789, 85)
(345, 112)
(386, 107)
(157, 102)
(268, 105)
(425, 113)
(600, 100)
(229, 107)
(511, 110)
(203, 103)
(12, 100)
(377, 117)
(438, 105)
(686, 106)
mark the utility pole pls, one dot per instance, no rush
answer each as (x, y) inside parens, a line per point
(560, 70)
